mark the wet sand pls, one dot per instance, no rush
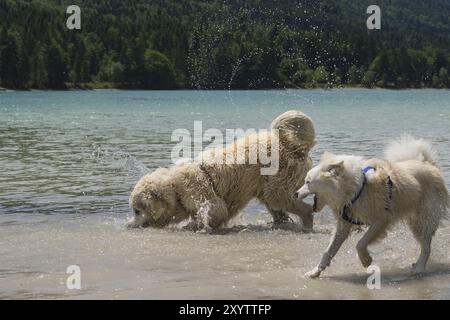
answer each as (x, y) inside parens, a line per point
(252, 263)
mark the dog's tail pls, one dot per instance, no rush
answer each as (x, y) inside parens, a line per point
(296, 130)
(410, 148)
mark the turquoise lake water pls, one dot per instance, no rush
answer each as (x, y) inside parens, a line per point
(81, 152)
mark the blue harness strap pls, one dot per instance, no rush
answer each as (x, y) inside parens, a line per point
(368, 168)
(345, 211)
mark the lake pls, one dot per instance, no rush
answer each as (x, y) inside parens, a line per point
(69, 160)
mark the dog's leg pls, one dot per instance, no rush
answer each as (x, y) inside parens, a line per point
(374, 231)
(305, 212)
(279, 216)
(212, 214)
(425, 250)
(282, 221)
(340, 235)
(424, 224)
(423, 233)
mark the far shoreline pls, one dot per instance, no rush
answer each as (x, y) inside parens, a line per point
(101, 88)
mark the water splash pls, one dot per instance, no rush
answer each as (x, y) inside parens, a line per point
(229, 42)
(120, 161)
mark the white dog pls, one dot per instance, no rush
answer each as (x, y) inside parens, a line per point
(210, 192)
(407, 186)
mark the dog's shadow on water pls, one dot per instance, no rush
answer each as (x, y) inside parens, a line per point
(403, 275)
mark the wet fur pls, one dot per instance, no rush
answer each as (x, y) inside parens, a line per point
(210, 193)
(419, 198)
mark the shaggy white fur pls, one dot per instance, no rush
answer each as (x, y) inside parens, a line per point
(409, 148)
(209, 191)
(408, 186)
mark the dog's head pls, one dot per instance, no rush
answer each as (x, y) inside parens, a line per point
(154, 201)
(296, 130)
(323, 180)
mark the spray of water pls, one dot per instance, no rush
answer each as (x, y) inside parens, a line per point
(269, 46)
(119, 161)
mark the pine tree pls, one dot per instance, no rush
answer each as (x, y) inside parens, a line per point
(56, 67)
(39, 73)
(10, 61)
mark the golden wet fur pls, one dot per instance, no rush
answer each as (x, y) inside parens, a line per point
(209, 192)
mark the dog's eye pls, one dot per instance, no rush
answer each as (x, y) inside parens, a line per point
(137, 212)
(308, 181)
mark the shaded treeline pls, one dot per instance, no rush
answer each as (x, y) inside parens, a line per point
(241, 44)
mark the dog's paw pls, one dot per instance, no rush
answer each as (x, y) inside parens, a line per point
(191, 226)
(133, 224)
(205, 230)
(314, 273)
(307, 230)
(364, 257)
(366, 260)
(130, 225)
(417, 270)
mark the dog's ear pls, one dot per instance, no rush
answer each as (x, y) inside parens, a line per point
(327, 156)
(155, 194)
(335, 168)
(146, 198)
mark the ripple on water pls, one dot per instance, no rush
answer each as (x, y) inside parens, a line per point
(59, 157)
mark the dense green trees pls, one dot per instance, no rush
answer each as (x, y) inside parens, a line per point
(10, 62)
(56, 67)
(400, 68)
(167, 44)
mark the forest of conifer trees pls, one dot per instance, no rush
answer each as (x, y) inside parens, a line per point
(143, 44)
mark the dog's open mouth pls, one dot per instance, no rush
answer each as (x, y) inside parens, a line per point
(315, 203)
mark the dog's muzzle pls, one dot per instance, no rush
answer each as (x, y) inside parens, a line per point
(302, 193)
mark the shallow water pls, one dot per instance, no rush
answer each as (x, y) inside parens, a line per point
(69, 160)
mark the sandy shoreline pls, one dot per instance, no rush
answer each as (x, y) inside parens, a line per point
(256, 264)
